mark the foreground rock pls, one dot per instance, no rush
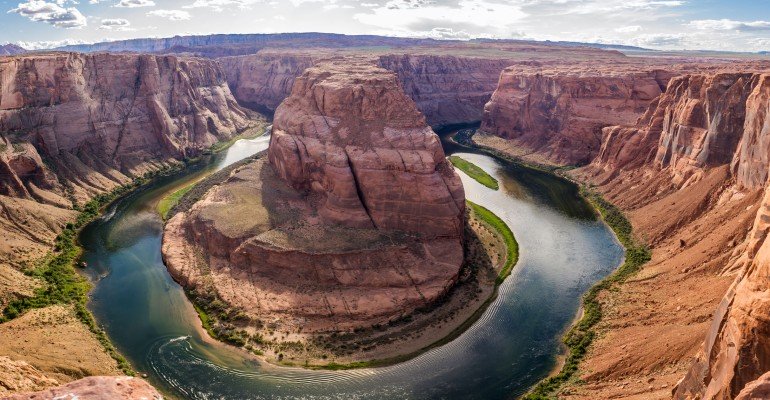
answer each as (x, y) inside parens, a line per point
(97, 388)
(356, 221)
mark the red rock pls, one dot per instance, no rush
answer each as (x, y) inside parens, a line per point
(356, 219)
(75, 125)
(350, 134)
(96, 388)
(560, 112)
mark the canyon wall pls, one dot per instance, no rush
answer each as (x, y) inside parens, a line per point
(559, 111)
(690, 174)
(261, 81)
(447, 89)
(72, 126)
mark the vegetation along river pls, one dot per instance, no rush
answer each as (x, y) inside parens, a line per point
(563, 251)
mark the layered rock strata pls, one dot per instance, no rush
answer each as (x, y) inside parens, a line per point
(690, 176)
(355, 220)
(559, 112)
(447, 89)
(72, 126)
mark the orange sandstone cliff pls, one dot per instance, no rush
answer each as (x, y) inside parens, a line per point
(690, 175)
(73, 126)
(559, 111)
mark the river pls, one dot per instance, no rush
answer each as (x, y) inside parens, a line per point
(563, 251)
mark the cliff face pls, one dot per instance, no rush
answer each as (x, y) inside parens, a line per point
(559, 113)
(447, 89)
(356, 219)
(350, 134)
(72, 125)
(690, 174)
(700, 122)
(737, 347)
(261, 81)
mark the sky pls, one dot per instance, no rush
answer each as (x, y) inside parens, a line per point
(735, 25)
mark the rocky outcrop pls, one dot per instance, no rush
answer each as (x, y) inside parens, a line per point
(560, 112)
(350, 134)
(700, 122)
(73, 125)
(97, 388)
(355, 221)
(737, 347)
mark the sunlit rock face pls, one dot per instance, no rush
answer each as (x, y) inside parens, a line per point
(73, 126)
(350, 134)
(559, 112)
(355, 218)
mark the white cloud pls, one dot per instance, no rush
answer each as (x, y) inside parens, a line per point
(219, 5)
(50, 44)
(171, 15)
(51, 13)
(115, 24)
(614, 6)
(628, 29)
(135, 3)
(729, 25)
(472, 16)
(664, 40)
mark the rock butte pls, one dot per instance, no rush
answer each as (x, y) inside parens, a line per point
(356, 220)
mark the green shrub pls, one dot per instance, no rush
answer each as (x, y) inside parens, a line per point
(475, 172)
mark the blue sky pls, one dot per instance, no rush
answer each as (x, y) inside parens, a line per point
(740, 25)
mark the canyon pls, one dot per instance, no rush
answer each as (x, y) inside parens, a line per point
(677, 143)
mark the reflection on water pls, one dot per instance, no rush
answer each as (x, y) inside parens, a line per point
(512, 346)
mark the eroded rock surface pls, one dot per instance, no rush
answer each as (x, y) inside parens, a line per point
(356, 220)
(73, 126)
(690, 177)
(560, 112)
(96, 388)
(350, 134)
